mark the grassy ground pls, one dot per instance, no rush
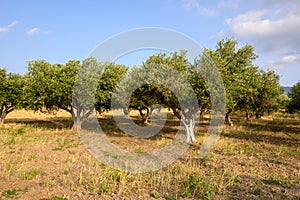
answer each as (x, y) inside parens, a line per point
(41, 158)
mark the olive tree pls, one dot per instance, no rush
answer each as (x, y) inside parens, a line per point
(50, 87)
(168, 80)
(247, 88)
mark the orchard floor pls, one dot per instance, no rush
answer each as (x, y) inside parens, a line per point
(42, 158)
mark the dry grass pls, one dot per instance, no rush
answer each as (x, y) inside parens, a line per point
(41, 158)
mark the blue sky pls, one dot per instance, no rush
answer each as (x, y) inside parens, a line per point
(58, 31)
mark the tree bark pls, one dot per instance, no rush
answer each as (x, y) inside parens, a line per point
(2, 117)
(188, 120)
(145, 117)
(151, 110)
(189, 126)
(249, 116)
(126, 112)
(257, 116)
(2, 120)
(77, 123)
(228, 119)
(4, 111)
(76, 119)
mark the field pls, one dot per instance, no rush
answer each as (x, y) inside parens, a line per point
(42, 158)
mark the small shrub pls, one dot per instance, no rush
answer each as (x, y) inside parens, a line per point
(13, 192)
(154, 194)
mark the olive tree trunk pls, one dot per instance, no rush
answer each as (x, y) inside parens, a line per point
(189, 126)
(228, 119)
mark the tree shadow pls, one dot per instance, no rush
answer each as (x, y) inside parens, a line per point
(110, 127)
(274, 127)
(274, 133)
(51, 123)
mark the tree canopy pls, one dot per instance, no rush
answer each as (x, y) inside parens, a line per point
(11, 93)
(247, 88)
(294, 94)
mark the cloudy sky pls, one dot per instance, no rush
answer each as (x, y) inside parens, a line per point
(58, 31)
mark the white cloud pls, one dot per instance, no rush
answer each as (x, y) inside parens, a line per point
(233, 4)
(274, 65)
(280, 2)
(248, 24)
(201, 10)
(272, 29)
(289, 59)
(281, 64)
(33, 31)
(8, 27)
(219, 35)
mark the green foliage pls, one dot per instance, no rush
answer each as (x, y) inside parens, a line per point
(11, 193)
(233, 64)
(70, 87)
(162, 79)
(294, 94)
(269, 97)
(191, 184)
(84, 90)
(175, 65)
(150, 82)
(107, 83)
(48, 87)
(247, 88)
(154, 194)
(11, 91)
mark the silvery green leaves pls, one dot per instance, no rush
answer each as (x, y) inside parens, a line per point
(83, 97)
(161, 85)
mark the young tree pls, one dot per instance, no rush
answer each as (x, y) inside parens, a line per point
(11, 91)
(294, 94)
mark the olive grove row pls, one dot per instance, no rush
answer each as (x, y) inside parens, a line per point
(48, 87)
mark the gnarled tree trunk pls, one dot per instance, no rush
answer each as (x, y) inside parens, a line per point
(2, 119)
(77, 123)
(145, 117)
(228, 119)
(4, 111)
(126, 112)
(249, 116)
(189, 126)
